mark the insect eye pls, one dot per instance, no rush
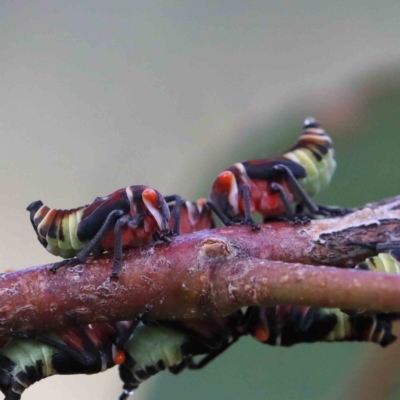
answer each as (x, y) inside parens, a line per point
(119, 357)
(150, 195)
(225, 178)
(261, 334)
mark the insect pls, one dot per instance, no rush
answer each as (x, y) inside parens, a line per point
(28, 357)
(125, 218)
(173, 345)
(190, 216)
(387, 260)
(288, 325)
(384, 262)
(274, 186)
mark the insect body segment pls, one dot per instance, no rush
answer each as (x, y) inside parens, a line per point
(188, 217)
(314, 152)
(24, 362)
(56, 229)
(383, 262)
(150, 349)
(386, 261)
(272, 187)
(126, 218)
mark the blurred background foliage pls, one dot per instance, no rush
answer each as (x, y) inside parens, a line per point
(99, 95)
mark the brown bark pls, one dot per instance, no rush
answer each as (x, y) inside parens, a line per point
(215, 272)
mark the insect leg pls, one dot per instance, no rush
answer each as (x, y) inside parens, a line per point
(71, 262)
(177, 369)
(387, 246)
(88, 344)
(306, 199)
(209, 357)
(176, 211)
(247, 211)
(118, 244)
(296, 219)
(223, 218)
(126, 335)
(126, 393)
(176, 214)
(162, 236)
(333, 211)
(365, 245)
(376, 246)
(172, 197)
(82, 256)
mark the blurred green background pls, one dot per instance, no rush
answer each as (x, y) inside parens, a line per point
(100, 95)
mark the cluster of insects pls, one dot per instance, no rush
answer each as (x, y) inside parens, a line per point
(280, 188)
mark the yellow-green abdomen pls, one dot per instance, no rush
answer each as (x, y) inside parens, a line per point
(25, 353)
(383, 262)
(151, 344)
(57, 230)
(319, 170)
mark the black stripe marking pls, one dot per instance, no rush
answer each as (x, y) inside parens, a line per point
(265, 170)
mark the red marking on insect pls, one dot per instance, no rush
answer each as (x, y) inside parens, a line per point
(264, 200)
(224, 182)
(151, 196)
(261, 334)
(73, 339)
(119, 357)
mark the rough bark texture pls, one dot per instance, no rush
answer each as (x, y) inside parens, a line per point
(215, 272)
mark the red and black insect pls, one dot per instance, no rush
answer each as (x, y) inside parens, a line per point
(175, 345)
(29, 357)
(126, 218)
(274, 186)
(289, 325)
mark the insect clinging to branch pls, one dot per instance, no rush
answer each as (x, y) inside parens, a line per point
(275, 186)
(126, 218)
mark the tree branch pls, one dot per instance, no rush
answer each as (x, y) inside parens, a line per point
(215, 272)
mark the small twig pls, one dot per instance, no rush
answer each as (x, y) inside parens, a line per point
(215, 272)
